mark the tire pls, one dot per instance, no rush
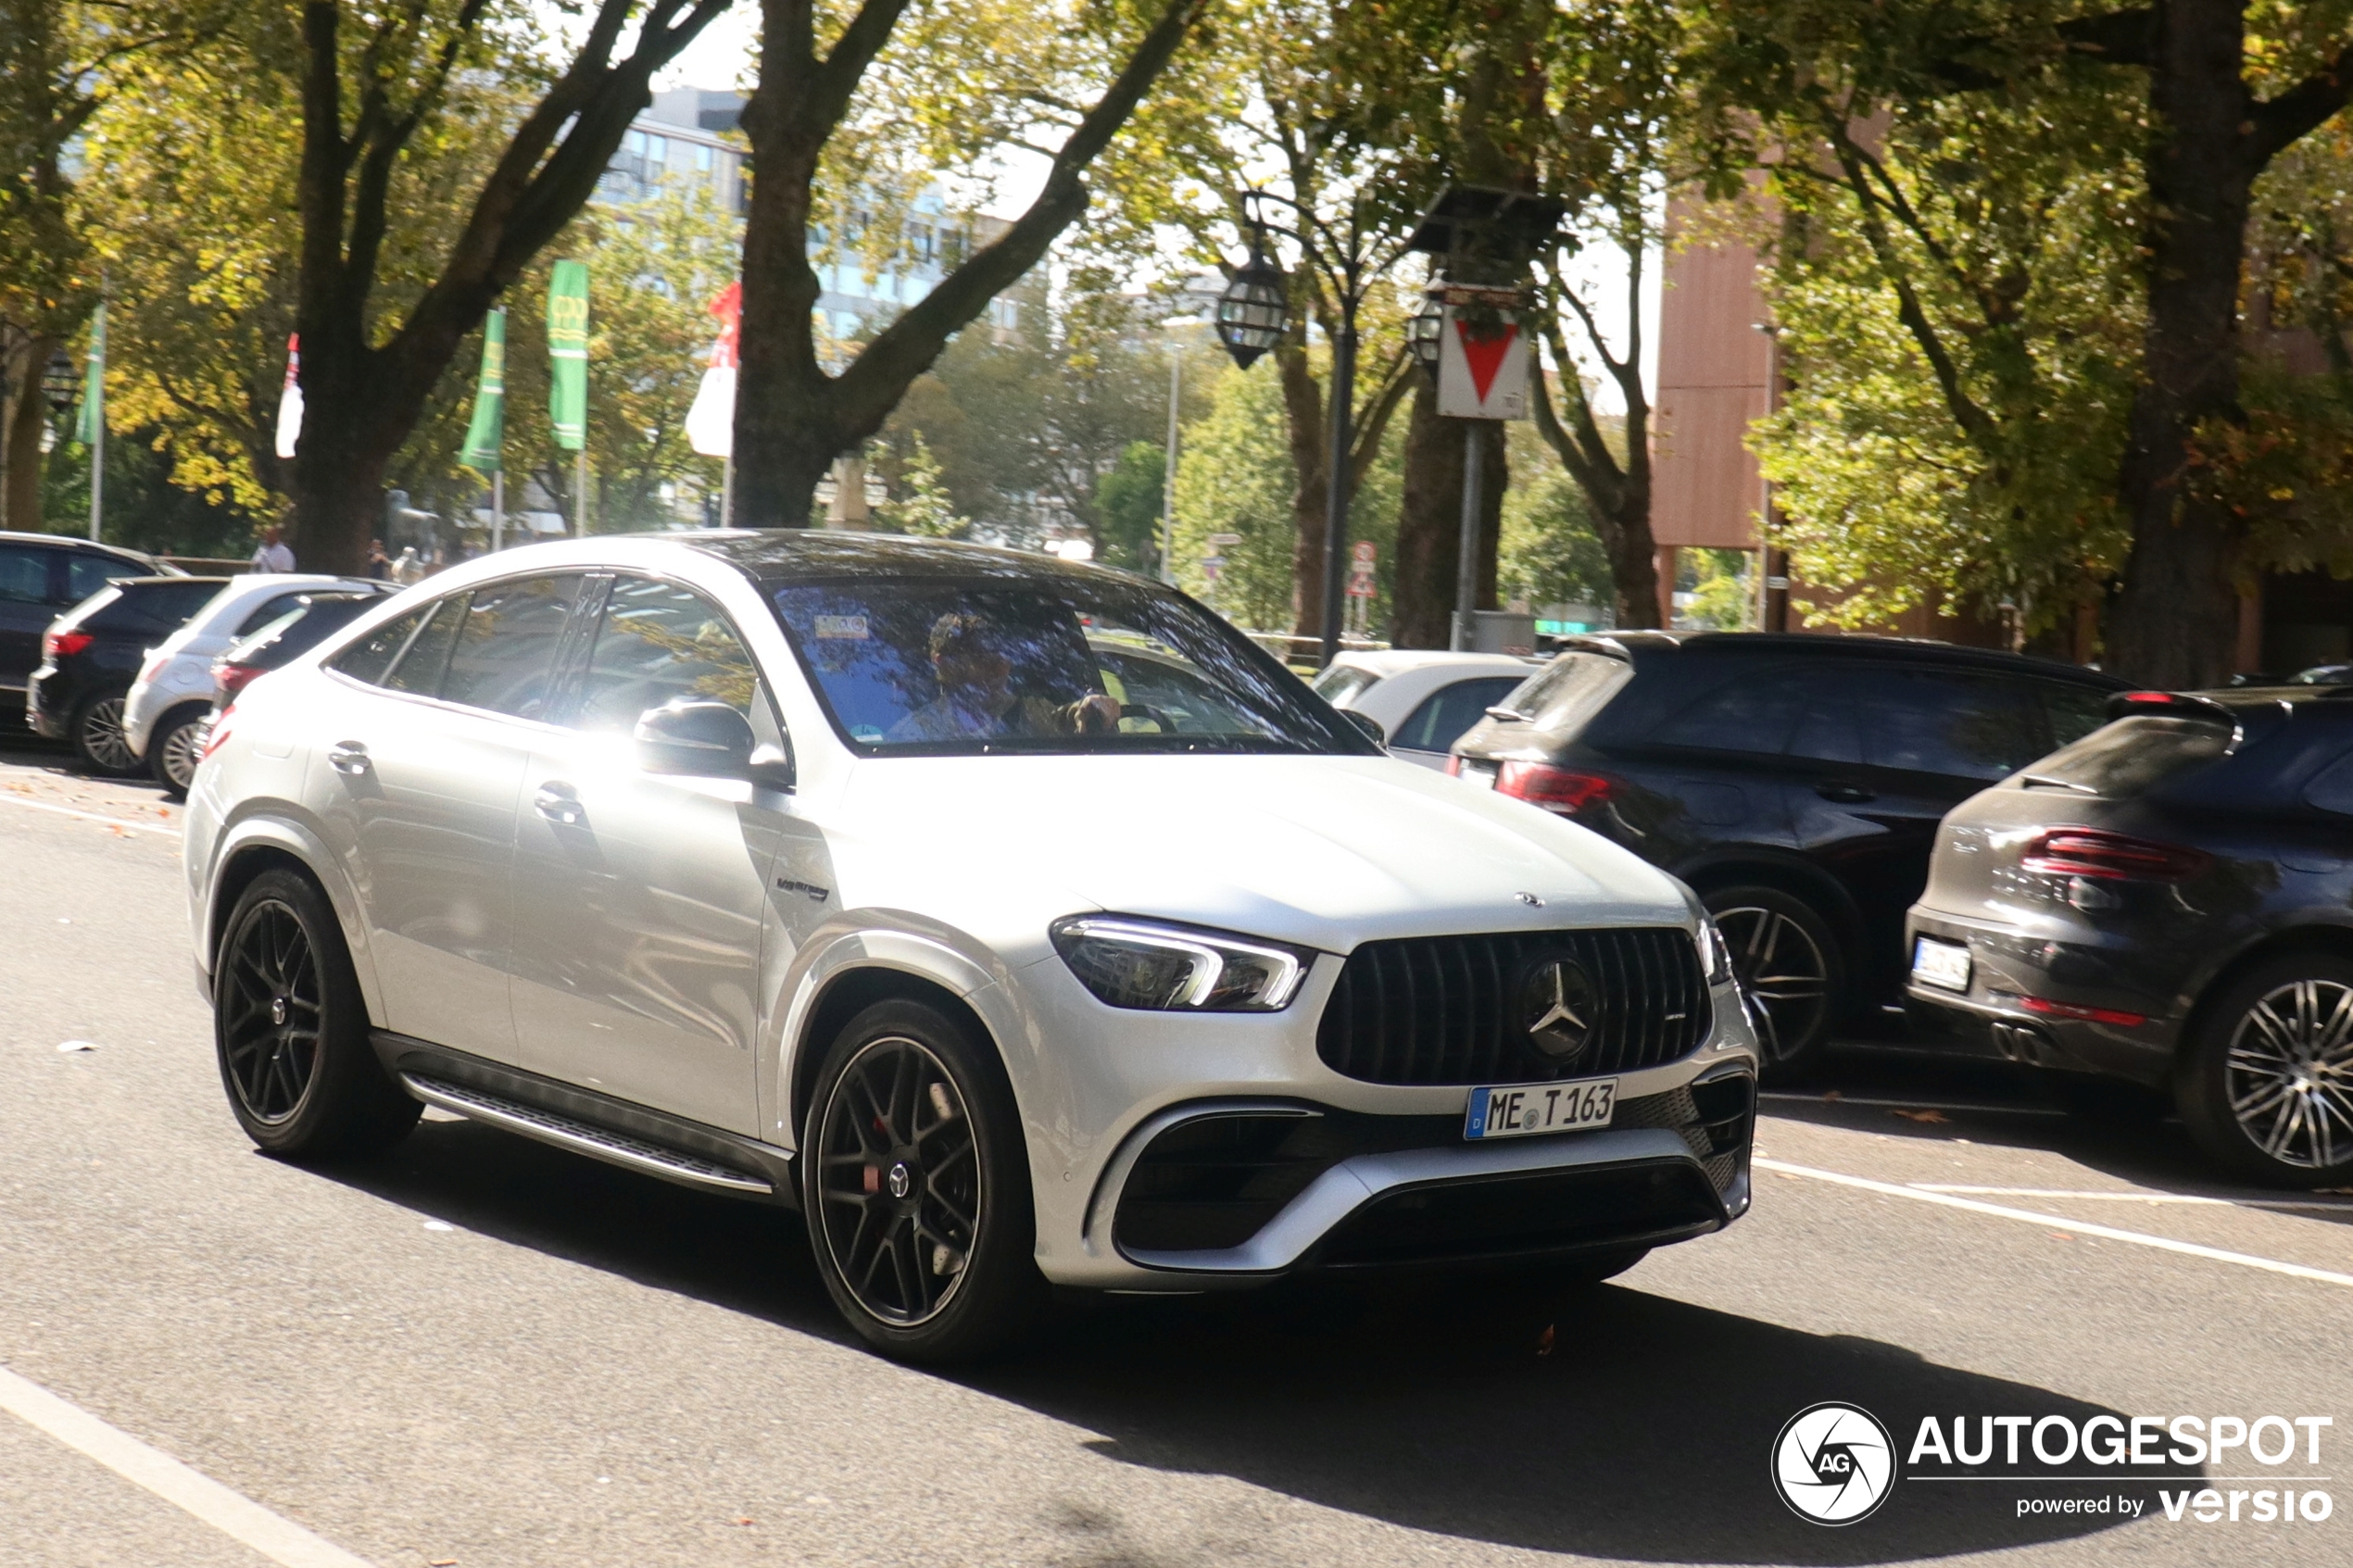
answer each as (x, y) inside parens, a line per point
(291, 1032)
(97, 734)
(924, 1238)
(174, 749)
(2265, 1082)
(1787, 960)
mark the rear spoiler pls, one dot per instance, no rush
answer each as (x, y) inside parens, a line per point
(2169, 705)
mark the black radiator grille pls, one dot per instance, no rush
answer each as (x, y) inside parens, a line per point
(1457, 1009)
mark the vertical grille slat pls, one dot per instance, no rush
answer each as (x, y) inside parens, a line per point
(1447, 1010)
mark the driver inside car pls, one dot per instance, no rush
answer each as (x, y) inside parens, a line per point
(976, 697)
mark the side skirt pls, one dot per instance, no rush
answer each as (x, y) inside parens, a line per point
(690, 1153)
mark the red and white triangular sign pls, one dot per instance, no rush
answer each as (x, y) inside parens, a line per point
(1482, 368)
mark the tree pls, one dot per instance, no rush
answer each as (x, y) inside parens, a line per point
(375, 94)
(1127, 503)
(793, 416)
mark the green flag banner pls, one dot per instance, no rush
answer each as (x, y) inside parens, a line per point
(488, 433)
(568, 353)
(94, 391)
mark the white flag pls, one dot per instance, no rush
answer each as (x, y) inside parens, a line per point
(711, 423)
(290, 401)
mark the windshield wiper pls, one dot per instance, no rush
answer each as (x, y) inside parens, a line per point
(2049, 781)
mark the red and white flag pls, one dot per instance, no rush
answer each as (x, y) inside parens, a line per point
(711, 423)
(290, 400)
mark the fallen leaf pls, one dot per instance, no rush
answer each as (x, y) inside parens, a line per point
(739, 1521)
(2061, 1235)
(1544, 1341)
(1831, 1095)
(1923, 1115)
(443, 1562)
(2336, 1192)
(79, 1046)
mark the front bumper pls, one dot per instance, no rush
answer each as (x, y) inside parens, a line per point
(2045, 1003)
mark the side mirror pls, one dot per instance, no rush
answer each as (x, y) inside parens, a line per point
(1370, 725)
(702, 739)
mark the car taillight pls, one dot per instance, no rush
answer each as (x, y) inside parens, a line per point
(151, 667)
(64, 645)
(228, 679)
(1555, 789)
(2049, 1009)
(2090, 852)
(1455, 766)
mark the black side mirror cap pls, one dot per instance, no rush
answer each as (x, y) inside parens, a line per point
(699, 739)
(1371, 726)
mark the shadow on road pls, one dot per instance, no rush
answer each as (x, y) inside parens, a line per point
(1641, 1433)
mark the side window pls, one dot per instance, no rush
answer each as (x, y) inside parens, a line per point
(1751, 713)
(267, 611)
(505, 656)
(2073, 712)
(87, 571)
(372, 656)
(656, 643)
(24, 574)
(1950, 723)
(1444, 715)
(427, 655)
(1824, 729)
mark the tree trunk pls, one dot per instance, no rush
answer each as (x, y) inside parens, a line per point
(27, 414)
(1429, 524)
(2175, 622)
(1304, 424)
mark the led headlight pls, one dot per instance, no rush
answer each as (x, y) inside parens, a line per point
(1132, 963)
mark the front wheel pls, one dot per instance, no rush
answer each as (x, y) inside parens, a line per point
(915, 1188)
(2266, 1084)
(290, 1030)
(1788, 960)
(97, 734)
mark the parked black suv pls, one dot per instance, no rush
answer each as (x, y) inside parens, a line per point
(1796, 781)
(41, 576)
(2170, 900)
(90, 654)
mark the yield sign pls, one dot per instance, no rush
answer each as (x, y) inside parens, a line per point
(1482, 369)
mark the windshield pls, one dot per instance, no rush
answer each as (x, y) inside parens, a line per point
(930, 666)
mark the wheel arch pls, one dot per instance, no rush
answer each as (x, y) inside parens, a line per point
(2334, 940)
(1792, 874)
(259, 844)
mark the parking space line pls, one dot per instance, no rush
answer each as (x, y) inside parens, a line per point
(2058, 1223)
(232, 1513)
(2293, 1205)
(89, 816)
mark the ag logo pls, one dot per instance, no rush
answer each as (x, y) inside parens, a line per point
(1833, 1464)
(1557, 1005)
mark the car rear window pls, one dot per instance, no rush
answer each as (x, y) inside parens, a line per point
(144, 608)
(2132, 756)
(1568, 693)
(1344, 683)
(1439, 722)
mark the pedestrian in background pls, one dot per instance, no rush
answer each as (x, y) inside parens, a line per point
(271, 555)
(379, 564)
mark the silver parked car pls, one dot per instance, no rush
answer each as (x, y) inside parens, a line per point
(1017, 921)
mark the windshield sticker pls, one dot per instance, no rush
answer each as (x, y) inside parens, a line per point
(852, 627)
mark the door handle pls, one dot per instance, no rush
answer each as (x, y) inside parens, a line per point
(349, 757)
(559, 804)
(1848, 794)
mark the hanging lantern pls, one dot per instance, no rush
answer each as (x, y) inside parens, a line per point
(58, 381)
(1254, 311)
(1424, 331)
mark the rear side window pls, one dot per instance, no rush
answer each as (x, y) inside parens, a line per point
(1444, 715)
(1568, 692)
(24, 574)
(505, 657)
(1343, 683)
(1950, 722)
(87, 571)
(1751, 713)
(372, 656)
(427, 655)
(146, 609)
(2073, 712)
(2133, 756)
(267, 611)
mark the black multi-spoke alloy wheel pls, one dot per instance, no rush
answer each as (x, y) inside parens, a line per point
(2266, 1082)
(915, 1188)
(174, 749)
(1787, 958)
(292, 1032)
(96, 732)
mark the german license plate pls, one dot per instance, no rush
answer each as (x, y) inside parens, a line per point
(1945, 965)
(1518, 1110)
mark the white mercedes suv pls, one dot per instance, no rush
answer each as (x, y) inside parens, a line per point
(1018, 922)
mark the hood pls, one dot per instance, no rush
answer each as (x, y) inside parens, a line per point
(1325, 851)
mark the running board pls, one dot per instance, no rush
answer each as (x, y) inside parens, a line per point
(584, 1137)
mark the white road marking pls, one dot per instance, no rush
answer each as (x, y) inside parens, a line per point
(2314, 1205)
(1787, 1098)
(2054, 1222)
(233, 1514)
(7, 799)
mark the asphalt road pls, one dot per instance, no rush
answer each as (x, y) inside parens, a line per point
(478, 1351)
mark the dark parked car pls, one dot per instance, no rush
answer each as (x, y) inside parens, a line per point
(314, 618)
(41, 576)
(90, 655)
(1794, 781)
(2170, 900)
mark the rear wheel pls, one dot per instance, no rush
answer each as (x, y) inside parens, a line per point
(97, 734)
(1787, 958)
(2267, 1084)
(915, 1188)
(290, 1030)
(174, 749)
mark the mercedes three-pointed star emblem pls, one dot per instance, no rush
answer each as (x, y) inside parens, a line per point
(1558, 1007)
